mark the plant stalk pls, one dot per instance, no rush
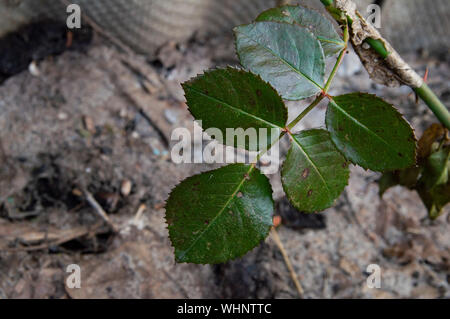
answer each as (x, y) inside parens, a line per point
(305, 112)
(327, 85)
(260, 154)
(435, 105)
(424, 92)
(327, 3)
(287, 261)
(339, 60)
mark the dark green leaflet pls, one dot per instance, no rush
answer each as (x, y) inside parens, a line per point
(219, 215)
(321, 27)
(232, 98)
(314, 173)
(371, 132)
(289, 57)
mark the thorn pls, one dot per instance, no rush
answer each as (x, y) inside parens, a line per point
(425, 77)
(69, 40)
(287, 130)
(325, 94)
(276, 221)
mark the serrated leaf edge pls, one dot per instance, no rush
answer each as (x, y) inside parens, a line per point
(284, 186)
(286, 62)
(240, 70)
(389, 169)
(342, 43)
(234, 194)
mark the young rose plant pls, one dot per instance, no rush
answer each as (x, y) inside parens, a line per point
(222, 214)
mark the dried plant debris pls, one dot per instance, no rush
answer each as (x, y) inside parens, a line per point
(37, 41)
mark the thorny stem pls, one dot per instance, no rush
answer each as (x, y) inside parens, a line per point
(435, 105)
(378, 47)
(424, 92)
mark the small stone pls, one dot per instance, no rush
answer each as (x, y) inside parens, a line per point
(349, 267)
(123, 113)
(89, 124)
(62, 116)
(125, 188)
(77, 192)
(171, 116)
(33, 69)
(264, 162)
(156, 151)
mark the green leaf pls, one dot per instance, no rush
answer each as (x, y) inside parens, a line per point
(433, 169)
(386, 181)
(432, 136)
(435, 199)
(314, 173)
(437, 168)
(321, 27)
(434, 188)
(232, 98)
(287, 56)
(370, 132)
(406, 177)
(219, 215)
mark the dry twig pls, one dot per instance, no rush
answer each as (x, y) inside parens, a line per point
(287, 261)
(99, 210)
